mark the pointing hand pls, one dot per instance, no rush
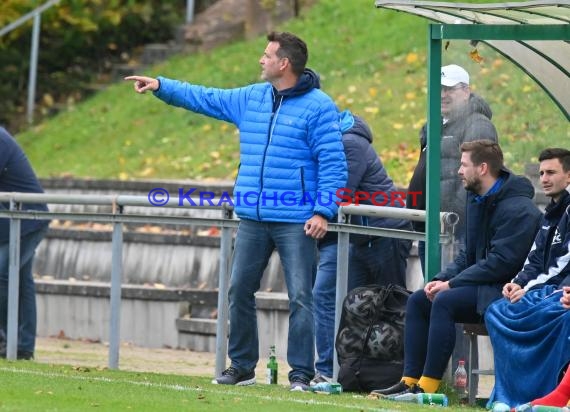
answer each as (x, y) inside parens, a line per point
(143, 83)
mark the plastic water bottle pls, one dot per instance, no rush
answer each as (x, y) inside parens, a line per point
(500, 407)
(272, 367)
(460, 381)
(527, 407)
(423, 398)
(544, 408)
(332, 388)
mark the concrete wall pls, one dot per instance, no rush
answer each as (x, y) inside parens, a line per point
(159, 318)
(143, 322)
(150, 317)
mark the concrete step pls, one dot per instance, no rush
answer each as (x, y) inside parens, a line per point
(157, 52)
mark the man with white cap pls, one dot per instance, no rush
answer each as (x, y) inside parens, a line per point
(465, 117)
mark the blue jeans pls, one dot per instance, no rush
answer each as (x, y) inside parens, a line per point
(255, 241)
(429, 331)
(324, 297)
(27, 317)
(381, 262)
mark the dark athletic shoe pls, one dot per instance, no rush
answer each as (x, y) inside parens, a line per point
(300, 384)
(413, 389)
(25, 355)
(231, 376)
(396, 389)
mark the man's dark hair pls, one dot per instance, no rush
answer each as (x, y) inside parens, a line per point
(485, 151)
(291, 47)
(562, 155)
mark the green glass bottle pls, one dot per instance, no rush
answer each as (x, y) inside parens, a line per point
(272, 367)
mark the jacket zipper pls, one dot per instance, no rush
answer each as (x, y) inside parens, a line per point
(303, 185)
(274, 112)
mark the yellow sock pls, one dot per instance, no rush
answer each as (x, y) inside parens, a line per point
(409, 381)
(429, 385)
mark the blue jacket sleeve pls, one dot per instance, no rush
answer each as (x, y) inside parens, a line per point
(325, 141)
(222, 104)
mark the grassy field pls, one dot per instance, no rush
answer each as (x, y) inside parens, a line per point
(372, 61)
(27, 386)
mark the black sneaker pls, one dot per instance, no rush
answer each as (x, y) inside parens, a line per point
(396, 389)
(25, 355)
(392, 392)
(21, 355)
(415, 389)
(2, 344)
(300, 384)
(231, 376)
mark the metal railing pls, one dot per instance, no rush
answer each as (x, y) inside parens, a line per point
(118, 216)
(189, 11)
(36, 15)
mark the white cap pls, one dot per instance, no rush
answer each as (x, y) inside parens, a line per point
(453, 74)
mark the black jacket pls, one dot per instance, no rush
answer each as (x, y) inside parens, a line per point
(366, 173)
(17, 175)
(499, 234)
(548, 262)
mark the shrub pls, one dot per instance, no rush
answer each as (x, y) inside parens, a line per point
(80, 40)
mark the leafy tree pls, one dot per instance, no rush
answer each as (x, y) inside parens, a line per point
(80, 40)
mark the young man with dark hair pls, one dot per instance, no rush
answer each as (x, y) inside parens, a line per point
(530, 321)
(292, 163)
(501, 221)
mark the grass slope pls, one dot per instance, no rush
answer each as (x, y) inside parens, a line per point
(372, 61)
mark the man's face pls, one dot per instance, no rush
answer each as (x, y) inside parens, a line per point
(271, 65)
(470, 174)
(553, 178)
(454, 99)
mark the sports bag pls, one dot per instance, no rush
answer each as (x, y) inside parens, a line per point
(370, 338)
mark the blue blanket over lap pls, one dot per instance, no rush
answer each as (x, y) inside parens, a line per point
(531, 344)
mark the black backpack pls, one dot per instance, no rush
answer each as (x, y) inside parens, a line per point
(370, 338)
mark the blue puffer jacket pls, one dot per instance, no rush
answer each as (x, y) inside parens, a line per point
(291, 156)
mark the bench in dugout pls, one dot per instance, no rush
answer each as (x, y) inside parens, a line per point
(473, 331)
